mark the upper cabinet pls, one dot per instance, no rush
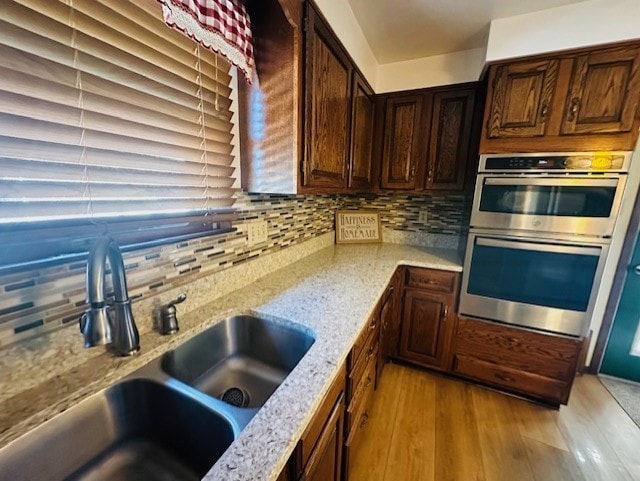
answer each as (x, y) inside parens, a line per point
(328, 73)
(362, 117)
(603, 92)
(573, 101)
(428, 138)
(402, 141)
(522, 95)
(306, 122)
(450, 144)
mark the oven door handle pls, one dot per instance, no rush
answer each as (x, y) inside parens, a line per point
(553, 181)
(541, 247)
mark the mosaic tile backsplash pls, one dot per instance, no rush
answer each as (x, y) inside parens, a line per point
(36, 302)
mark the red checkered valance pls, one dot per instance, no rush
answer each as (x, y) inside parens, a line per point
(221, 25)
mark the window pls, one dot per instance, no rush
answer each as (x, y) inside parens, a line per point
(109, 122)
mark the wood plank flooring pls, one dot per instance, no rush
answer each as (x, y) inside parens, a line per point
(426, 427)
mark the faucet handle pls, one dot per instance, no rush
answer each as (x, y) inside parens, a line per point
(181, 298)
(168, 316)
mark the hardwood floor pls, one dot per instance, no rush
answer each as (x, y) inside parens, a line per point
(426, 427)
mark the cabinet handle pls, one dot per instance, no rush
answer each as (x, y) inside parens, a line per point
(367, 383)
(430, 176)
(364, 419)
(446, 312)
(412, 172)
(543, 111)
(573, 109)
(370, 352)
(504, 377)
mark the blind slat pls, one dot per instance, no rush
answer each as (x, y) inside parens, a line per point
(14, 212)
(23, 169)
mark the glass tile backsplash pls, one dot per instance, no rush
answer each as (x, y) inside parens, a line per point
(35, 302)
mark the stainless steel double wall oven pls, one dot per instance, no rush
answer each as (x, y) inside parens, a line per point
(540, 231)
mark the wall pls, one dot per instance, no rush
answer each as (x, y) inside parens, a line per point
(581, 24)
(343, 22)
(34, 303)
(457, 67)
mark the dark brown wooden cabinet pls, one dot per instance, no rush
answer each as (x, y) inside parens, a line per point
(428, 318)
(534, 364)
(425, 328)
(362, 117)
(603, 92)
(450, 146)
(522, 96)
(318, 455)
(361, 382)
(327, 108)
(403, 141)
(574, 101)
(307, 119)
(325, 463)
(427, 138)
(390, 321)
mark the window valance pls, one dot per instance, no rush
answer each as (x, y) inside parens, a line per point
(221, 25)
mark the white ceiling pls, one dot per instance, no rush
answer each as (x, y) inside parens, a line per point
(399, 30)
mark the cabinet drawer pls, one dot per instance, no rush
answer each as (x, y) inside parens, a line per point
(362, 376)
(433, 280)
(528, 383)
(369, 354)
(547, 355)
(358, 410)
(365, 339)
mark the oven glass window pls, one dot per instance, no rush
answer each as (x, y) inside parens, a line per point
(574, 201)
(552, 279)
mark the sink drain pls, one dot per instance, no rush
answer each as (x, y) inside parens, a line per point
(236, 396)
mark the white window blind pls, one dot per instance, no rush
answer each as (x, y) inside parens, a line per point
(105, 112)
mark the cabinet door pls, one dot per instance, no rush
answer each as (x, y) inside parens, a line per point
(603, 93)
(325, 463)
(426, 328)
(521, 98)
(386, 326)
(327, 107)
(451, 125)
(402, 143)
(362, 112)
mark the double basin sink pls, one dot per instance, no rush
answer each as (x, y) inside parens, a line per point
(170, 420)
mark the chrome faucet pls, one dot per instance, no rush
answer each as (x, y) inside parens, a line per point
(102, 324)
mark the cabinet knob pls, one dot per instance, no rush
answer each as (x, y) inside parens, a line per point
(636, 270)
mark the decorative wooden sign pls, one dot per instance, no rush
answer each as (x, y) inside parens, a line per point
(357, 226)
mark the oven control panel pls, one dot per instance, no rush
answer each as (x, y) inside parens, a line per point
(583, 162)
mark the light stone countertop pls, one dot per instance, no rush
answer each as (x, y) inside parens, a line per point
(332, 292)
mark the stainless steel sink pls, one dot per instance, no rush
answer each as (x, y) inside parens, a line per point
(241, 360)
(165, 421)
(135, 430)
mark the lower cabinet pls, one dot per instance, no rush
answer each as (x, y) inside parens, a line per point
(391, 305)
(361, 382)
(416, 321)
(537, 365)
(428, 317)
(318, 455)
